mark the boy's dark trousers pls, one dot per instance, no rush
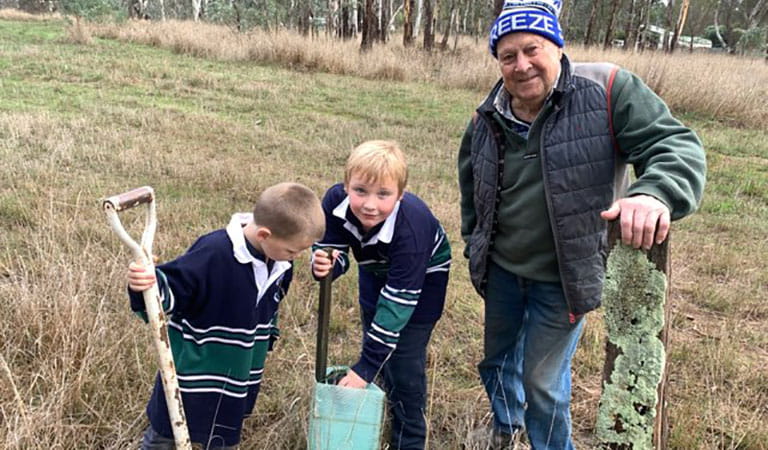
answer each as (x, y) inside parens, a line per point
(152, 440)
(405, 382)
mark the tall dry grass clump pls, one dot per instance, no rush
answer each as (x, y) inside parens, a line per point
(728, 88)
(79, 33)
(62, 339)
(21, 16)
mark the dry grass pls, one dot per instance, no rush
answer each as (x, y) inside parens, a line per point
(78, 123)
(736, 96)
(21, 16)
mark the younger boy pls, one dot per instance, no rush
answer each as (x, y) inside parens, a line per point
(222, 298)
(403, 256)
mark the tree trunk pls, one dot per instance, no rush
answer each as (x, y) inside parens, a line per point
(717, 28)
(408, 22)
(354, 18)
(429, 25)
(417, 22)
(629, 27)
(646, 23)
(238, 15)
(369, 18)
(566, 14)
(386, 11)
(609, 29)
(465, 17)
(390, 24)
(591, 23)
(331, 19)
(680, 25)
(729, 31)
(196, 10)
(669, 25)
(448, 25)
(305, 16)
(137, 9)
(754, 15)
(456, 30)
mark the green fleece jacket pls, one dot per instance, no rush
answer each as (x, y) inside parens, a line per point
(668, 159)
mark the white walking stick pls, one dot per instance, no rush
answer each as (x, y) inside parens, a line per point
(157, 321)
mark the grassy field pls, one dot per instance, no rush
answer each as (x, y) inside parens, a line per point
(83, 117)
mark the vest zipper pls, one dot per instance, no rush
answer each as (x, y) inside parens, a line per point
(571, 315)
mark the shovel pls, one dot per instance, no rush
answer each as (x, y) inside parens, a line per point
(157, 321)
(341, 418)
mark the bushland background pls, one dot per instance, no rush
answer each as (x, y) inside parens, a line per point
(210, 116)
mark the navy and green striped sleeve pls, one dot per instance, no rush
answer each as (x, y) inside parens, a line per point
(398, 299)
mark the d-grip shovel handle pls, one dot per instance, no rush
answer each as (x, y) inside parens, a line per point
(134, 197)
(127, 200)
(323, 318)
(152, 303)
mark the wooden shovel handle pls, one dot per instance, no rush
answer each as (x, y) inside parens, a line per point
(128, 200)
(323, 320)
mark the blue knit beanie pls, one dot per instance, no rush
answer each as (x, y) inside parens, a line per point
(532, 16)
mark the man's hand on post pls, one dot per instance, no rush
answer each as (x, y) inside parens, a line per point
(644, 220)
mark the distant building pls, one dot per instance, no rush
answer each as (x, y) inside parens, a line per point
(658, 34)
(698, 42)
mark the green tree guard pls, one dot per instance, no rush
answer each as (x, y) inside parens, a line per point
(633, 299)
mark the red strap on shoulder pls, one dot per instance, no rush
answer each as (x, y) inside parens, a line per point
(609, 88)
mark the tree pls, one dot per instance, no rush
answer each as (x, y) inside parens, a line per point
(386, 12)
(680, 25)
(449, 20)
(719, 36)
(609, 29)
(429, 24)
(408, 12)
(630, 28)
(591, 23)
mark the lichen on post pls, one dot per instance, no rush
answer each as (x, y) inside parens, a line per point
(633, 299)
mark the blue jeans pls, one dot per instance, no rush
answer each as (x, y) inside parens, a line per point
(529, 342)
(405, 382)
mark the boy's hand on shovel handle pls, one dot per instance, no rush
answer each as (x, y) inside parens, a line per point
(321, 263)
(139, 278)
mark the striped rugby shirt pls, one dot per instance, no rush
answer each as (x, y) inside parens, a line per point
(403, 269)
(222, 300)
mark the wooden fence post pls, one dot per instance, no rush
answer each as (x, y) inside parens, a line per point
(659, 256)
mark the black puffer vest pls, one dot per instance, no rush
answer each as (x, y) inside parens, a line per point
(582, 175)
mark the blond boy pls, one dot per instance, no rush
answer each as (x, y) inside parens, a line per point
(403, 257)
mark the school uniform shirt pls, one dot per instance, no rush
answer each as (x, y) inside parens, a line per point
(403, 269)
(221, 298)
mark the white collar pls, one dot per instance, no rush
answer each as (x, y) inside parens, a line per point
(384, 234)
(263, 277)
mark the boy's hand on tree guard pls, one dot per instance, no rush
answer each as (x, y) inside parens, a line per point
(353, 380)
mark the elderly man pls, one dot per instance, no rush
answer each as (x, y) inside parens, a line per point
(541, 171)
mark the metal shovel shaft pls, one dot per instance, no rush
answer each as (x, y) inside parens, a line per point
(152, 303)
(323, 319)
